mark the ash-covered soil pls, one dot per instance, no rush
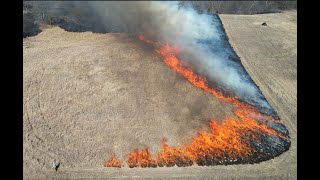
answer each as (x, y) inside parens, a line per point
(87, 96)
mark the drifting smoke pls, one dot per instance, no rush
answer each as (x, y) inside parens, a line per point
(194, 45)
(199, 36)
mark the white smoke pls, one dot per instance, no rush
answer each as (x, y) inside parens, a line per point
(188, 29)
(199, 35)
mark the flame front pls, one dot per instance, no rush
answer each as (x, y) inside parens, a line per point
(113, 162)
(248, 139)
(141, 158)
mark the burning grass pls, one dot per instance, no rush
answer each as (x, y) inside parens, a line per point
(252, 138)
(113, 162)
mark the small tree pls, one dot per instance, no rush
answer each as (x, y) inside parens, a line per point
(251, 6)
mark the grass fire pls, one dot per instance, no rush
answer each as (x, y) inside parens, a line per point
(159, 89)
(251, 138)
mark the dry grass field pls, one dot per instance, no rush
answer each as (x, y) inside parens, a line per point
(88, 96)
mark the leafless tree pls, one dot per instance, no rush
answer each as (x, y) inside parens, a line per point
(219, 6)
(252, 4)
(38, 9)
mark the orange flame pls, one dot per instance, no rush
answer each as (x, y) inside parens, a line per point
(113, 162)
(141, 158)
(226, 143)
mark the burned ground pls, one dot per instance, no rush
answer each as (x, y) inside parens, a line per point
(82, 90)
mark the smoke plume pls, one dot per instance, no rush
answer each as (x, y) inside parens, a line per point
(199, 36)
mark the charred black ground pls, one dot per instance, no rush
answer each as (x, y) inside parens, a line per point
(263, 145)
(232, 56)
(266, 147)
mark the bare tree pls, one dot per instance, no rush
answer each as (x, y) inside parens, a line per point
(27, 7)
(252, 4)
(220, 3)
(214, 6)
(38, 9)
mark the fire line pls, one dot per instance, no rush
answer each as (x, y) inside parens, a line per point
(251, 140)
